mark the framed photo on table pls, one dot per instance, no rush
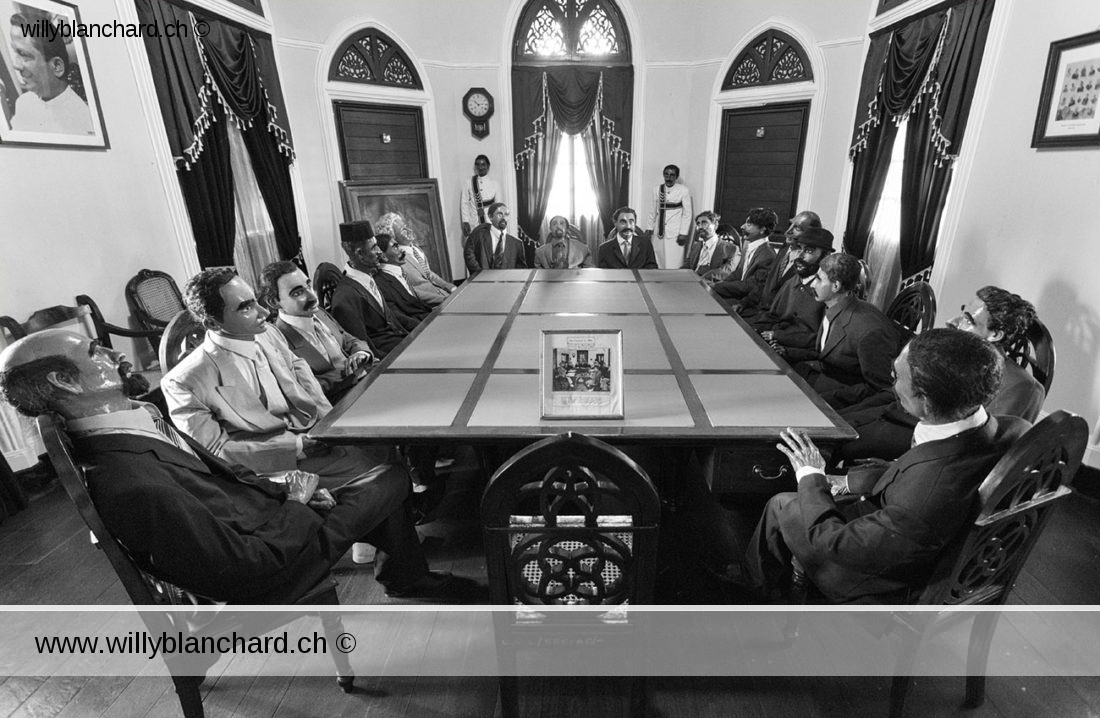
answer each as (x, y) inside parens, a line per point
(581, 374)
(1069, 106)
(417, 201)
(47, 91)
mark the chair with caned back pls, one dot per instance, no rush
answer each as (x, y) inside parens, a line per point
(980, 566)
(154, 298)
(569, 520)
(325, 279)
(914, 308)
(1035, 351)
(145, 589)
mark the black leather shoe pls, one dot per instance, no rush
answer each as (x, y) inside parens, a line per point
(433, 584)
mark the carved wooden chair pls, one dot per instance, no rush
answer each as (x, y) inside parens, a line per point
(144, 588)
(84, 317)
(914, 308)
(155, 299)
(980, 567)
(1035, 352)
(181, 336)
(325, 280)
(567, 521)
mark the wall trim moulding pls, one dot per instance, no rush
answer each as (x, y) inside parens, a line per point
(445, 65)
(686, 65)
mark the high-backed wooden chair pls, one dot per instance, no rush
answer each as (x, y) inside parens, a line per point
(324, 283)
(980, 567)
(1035, 352)
(144, 588)
(914, 308)
(85, 317)
(181, 336)
(155, 299)
(567, 521)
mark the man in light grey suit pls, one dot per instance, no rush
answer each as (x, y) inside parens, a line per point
(428, 286)
(338, 359)
(561, 251)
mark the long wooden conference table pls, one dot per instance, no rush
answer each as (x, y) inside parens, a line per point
(695, 375)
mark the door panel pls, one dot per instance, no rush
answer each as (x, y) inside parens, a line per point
(755, 171)
(364, 155)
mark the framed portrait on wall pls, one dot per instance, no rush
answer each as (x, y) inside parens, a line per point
(1069, 105)
(417, 201)
(581, 374)
(47, 90)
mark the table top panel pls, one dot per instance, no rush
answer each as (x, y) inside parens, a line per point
(484, 298)
(758, 400)
(452, 342)
(583, 296)
(666, 275)
(587, 274)
(501, 275)
(641, 345)
(650, 400)
(713, 342)
(682, 298)
(397, 400)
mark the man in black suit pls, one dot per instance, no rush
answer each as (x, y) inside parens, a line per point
(190, 518)
(357, 301)
(794, 317)
(781, 270)
(391, 280)
(757, 256)
(489, 246)
(626, 249)
(882, 545)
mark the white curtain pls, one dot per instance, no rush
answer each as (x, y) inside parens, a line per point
(254, 244)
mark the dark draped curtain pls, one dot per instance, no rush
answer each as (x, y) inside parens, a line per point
(924, 69)
(591, 101)
(230, 76)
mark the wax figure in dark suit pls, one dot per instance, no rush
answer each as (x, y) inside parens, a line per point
(187, 516)
(357, 302)
(856, 345)
(751, 271)
(626, 249)
(794, 317)
(391, 281)
(562, 251)
(995, 315)
(882, 544)
(710, 256)
(489, 246)
(781, 271)
(335, 357)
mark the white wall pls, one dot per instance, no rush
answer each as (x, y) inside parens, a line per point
(1028, 217)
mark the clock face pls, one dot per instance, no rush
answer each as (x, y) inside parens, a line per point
(478, 104)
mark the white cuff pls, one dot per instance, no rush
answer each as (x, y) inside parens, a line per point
(806, 471)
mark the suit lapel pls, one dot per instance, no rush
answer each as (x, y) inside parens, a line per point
(303, 348)
(933, 450)
(838, 329)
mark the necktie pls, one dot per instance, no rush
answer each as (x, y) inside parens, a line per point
(704, 256)
(559, 256)
(372, 287)
(270, 394)
(170, 433)
(626, 249)
(498, 255)
(329, 345)
(825, 324)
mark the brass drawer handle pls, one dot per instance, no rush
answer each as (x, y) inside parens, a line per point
(758, 471)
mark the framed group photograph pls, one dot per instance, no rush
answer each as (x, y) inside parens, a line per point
(581, 374)
(47, 91)
(1068, 113)
(417, 201)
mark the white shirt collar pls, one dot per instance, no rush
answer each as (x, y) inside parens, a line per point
(755, 244)
(247, 348)
(934, 432)
(139, 419)
(393, 269)
(710, 243)
(302, 324)
(362, 277)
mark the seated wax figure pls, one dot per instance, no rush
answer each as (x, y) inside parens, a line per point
(794, 317)
(758, 300)
(428, 286)
(560, 250)
(489, 245)
(855, 348)
(626, 248)
(995, 315)
(336, 358)
(748, 276)
(191, 518)
(881, 544)
(392, 283)
(710, 256)
(357, 301)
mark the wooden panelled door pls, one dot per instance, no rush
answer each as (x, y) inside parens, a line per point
(760, 162)
(381, 142)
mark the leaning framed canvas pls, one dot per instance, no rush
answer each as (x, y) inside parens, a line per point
(47, 91)
(581, 374)
(417, 201)
(1069, 115)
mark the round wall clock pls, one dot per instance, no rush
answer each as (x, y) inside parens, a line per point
(477, 105)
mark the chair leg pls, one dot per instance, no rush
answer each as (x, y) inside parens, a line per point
(187, 689)
(977, 657)
(903, 672)
(333, 627)
(509, 697)
(637, 697)
(799, 591)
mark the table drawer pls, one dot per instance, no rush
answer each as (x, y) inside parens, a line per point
(753, 469)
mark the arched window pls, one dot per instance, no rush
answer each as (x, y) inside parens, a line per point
(372, 58)
(772, 58)
(557, 31)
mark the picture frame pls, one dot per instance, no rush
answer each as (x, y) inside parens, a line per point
(48, 93)
(1069, 105)
(581, 374)
(417, 201)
